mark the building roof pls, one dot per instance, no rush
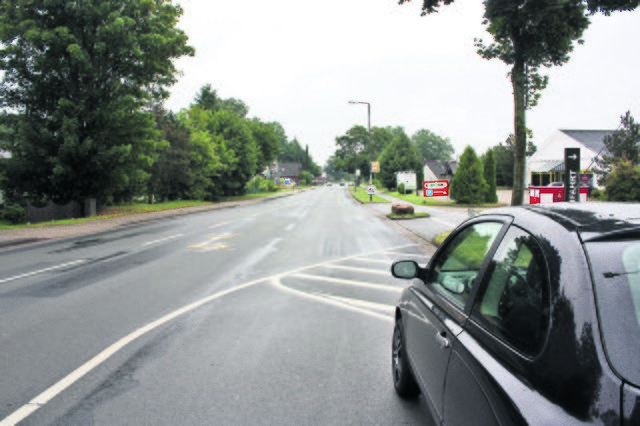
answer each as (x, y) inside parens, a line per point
(592, 139)
(437, 167)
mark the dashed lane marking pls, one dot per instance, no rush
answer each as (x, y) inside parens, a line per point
(162, 240)
(41, 271)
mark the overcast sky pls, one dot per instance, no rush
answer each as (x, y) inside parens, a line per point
(299, 63)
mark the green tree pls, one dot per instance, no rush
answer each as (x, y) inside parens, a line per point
(209, 157)
(504, 154)
(431, 146)
(171, 175)
(79, 79)
(207, 98)
(267, 141)
(306, 178)
(623, 183)
(490, 177)
(400, 155)
(468, 185)
(242, 146)
(528, 35)
(621, 145)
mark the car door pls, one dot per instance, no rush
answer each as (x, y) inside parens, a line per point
(438, 312)
(506, 330)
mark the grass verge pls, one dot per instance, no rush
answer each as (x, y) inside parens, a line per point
(439, 239)
(362, 197)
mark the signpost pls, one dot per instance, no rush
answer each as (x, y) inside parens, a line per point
(436, 188)
(375, 167)
(572, 175)
(408, 179)
(371, 190)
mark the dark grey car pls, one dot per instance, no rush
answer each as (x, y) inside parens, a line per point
(526, 315)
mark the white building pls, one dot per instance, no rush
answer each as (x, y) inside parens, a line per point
(547, 164)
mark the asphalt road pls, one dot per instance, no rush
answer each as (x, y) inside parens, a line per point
(277, 313)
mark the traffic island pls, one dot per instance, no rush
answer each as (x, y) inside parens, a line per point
(418, 215)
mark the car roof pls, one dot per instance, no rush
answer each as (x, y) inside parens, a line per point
(593, 220)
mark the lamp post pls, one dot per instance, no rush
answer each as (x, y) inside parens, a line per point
(369, 130)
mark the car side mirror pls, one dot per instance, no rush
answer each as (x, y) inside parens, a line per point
(405, 269)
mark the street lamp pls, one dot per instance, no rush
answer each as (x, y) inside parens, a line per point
(369, 130)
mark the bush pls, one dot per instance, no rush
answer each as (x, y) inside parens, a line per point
(597, 195)
(468, 185)
(401, 188)
(623, 183)
(270, 186)
(14, 214)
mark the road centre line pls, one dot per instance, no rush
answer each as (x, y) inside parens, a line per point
(162, 240)
(41, 271)
(217, 225)
(347, 282)
(361, 270)
(57, 388)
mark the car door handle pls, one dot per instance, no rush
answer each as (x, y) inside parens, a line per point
(442, 338)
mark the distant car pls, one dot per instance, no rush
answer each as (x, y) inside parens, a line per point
(527, 315)
(341, 183)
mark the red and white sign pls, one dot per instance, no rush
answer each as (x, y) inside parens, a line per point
(436, 188)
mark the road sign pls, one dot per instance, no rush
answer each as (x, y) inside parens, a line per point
(406, 178)
(572, 174)
(436, 188)
(375, 167)
(371, 189)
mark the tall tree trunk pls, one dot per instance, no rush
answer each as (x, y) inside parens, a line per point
(518, 79)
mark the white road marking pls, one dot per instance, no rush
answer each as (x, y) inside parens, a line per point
(406, 255)
(290, 227)
(278, 283)
(360, 270)
(217, 225)
(162, 240)
(369, 260)
(347, 282)
(46, 396)
(444, 222)
(390, 309)
(41, 271)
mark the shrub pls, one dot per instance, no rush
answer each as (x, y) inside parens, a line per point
(468, 185)
(14, 214)
(623, 182)
(401, 188)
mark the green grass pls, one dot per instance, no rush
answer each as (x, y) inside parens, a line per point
(254, 196)
(407, 216)
(420, 200)
(439, 239)
(362, 196)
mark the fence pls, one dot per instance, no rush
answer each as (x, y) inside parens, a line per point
(51, 211)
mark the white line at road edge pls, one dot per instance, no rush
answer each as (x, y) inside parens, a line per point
(46, 396)
(40, 271)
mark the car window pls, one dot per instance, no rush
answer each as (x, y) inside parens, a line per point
(616, 278)
(456, 269)
(514, 304)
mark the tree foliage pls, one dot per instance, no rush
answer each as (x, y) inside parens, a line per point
(79, 78)
(623, 183)
(468, 185)
(490, 177)
(431, 146)
(621, 145)
(527, 35)
(504, 154)
(401, 155)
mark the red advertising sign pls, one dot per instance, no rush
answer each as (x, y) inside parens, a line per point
(436, 188)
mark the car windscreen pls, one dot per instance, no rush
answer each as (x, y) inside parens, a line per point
(616, 275)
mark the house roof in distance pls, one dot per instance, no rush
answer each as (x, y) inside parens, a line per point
(592, 139)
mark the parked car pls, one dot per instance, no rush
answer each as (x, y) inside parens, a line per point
(527, 315)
